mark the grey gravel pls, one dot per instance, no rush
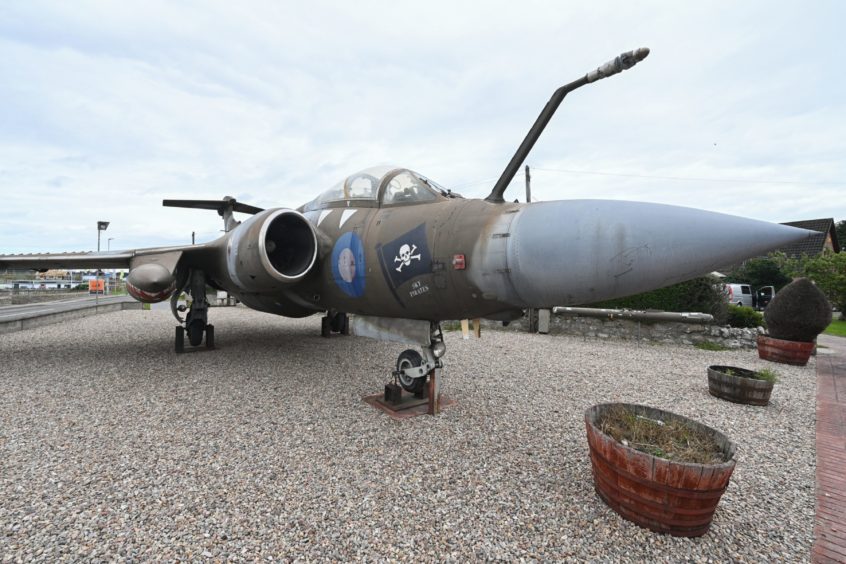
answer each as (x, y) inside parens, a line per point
(114, 448)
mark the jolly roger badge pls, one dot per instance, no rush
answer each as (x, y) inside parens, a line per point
(406, 256)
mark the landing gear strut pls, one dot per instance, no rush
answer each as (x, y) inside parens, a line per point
(196, 322)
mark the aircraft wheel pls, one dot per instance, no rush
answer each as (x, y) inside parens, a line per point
(325, 327)
(345, 326)
(209, 336)
(408, 359)
(180, 339)
(195, 333)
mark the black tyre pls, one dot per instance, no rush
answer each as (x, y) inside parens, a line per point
(408, 359)
(345, 328)
(195, 333)
(325, 327)
(209, 336)
(179, 341)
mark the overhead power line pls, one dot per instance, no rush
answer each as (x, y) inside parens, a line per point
(687, 178)
(659, 177)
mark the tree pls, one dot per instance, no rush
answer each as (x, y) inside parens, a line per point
(827, 270)
(840, 228)
(760, 272)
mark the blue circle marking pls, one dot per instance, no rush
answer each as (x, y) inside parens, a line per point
(348, 264)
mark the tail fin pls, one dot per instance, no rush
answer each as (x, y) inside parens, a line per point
(224, 208)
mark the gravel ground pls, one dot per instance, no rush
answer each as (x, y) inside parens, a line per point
(112, 447)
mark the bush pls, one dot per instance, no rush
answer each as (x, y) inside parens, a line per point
(759, 272)
(799, 312)
(743, 316)
(699, 295)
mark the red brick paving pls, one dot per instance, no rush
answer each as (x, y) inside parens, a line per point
(830, 528)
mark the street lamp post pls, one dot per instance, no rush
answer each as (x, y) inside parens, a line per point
(101, 226)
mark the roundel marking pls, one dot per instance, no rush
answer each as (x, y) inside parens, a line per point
(348, 264)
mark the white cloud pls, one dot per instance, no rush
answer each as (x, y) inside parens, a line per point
(108, 108)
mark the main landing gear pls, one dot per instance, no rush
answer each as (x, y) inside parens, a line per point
(195, 323)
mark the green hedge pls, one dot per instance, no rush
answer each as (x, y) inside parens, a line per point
(698, 295)
(742, 316)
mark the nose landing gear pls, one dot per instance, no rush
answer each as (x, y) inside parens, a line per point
(419, 374)
(415, 388)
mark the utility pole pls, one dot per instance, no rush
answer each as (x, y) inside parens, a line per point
(112, 277)
(531, 313)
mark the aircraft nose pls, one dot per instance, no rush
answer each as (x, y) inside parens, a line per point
(584, 251)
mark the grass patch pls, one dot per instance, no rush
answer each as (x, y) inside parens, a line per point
(767, 375)
(673, 440)
(837, 328)
(710, 346)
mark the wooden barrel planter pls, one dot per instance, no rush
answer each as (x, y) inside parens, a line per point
(659, 494)
(739, 386)
(796, 353)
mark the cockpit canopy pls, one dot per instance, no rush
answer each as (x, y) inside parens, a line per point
(380, 186)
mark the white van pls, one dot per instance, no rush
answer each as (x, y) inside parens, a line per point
(739, 294)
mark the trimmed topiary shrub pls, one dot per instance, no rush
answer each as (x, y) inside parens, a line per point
(799, 312)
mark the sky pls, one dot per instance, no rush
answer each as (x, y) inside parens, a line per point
(106, 108)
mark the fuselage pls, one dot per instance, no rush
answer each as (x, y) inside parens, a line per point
(391, 243)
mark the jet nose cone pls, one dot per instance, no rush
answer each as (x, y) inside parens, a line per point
(584, 251)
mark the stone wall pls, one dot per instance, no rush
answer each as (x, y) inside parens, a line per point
(627, 329)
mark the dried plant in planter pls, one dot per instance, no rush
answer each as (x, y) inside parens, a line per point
(673, 439)
(658, 469)
(740, 385)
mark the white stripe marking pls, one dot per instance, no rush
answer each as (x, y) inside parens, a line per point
(345, 215)
(323, 215)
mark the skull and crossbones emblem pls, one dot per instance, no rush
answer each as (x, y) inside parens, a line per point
(406, 254)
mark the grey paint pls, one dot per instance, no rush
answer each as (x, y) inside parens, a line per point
(584, 251)
(602, 313)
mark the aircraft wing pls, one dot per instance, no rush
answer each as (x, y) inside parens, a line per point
(108, 259)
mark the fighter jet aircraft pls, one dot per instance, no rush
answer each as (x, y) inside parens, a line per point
(389, 253)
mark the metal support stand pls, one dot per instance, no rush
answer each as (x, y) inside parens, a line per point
(532, 320)
(434, 392)
(543, 321)
(334, 322)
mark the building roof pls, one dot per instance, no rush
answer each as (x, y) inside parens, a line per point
(813, 246)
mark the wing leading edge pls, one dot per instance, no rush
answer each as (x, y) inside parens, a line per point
(86, 260)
